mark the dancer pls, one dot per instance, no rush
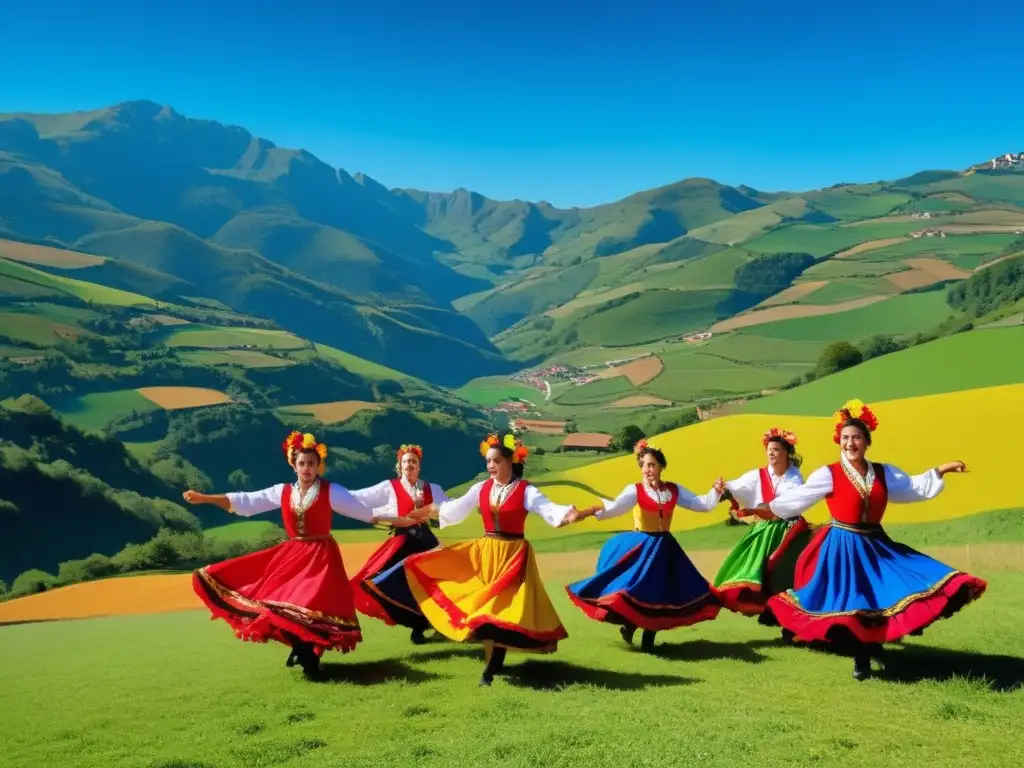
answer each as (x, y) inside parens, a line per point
(855, 588)
(488, 589)
(750, 573)
(644, 578)
(296, 593)
(400, 495)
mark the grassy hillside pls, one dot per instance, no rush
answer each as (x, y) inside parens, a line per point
(966, 361)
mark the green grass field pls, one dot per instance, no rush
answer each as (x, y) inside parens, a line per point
(247, 358)
(600, 391)
(746, 346)
(176, 690)
(490, 391)
(223, 337)
(837, 291)
(908, 313)
(965, 361)
(651, 316)
(817, 240)
(848, 204)
(84, 290)
(92, 412)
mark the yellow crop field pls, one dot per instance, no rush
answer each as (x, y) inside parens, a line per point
(914, 434)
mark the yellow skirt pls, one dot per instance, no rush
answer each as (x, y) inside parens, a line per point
(487, 590)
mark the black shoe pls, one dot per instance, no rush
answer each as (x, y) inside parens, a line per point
(486, 679)
(787, 636)
(627, 633)
(647, 640)
(417, 637)
(293, 659)
(861, 666)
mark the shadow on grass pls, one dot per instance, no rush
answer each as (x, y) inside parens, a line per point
(373, 673)
(451, 652)
(915, 664)
(554, 675)
(710, 650)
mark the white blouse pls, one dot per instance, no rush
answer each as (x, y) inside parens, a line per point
(686, 499)
(454, 511)
(902, 489)
(383, 500)
(249, 503)
(746, 489)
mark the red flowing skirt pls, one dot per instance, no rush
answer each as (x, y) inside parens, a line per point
(297, 590)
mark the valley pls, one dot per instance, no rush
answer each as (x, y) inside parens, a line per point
(183, 294)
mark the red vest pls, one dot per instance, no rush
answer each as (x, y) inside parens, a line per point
(767, 489)
(405, 502)
(845, 503)
(511, 517)
(315, 520)
(651, 517)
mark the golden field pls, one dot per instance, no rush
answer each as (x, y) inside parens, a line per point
(915, 434)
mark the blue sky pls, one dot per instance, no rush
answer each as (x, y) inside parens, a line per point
(577, 104)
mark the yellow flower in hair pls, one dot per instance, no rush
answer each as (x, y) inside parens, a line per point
(855, 408)
(509, 442)
(308, 441)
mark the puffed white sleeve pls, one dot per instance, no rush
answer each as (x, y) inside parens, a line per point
(797, 499)
(540, 505)
(249, 503)
(379, 497)
(624, 502)
(687, 499)
(792, 479)
(438, 494)
(744, 488)
(454, 511)
(907, 489)
(344, 503)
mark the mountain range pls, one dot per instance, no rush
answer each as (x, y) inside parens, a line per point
(212, 212)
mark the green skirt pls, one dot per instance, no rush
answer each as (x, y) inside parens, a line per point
(761, 565)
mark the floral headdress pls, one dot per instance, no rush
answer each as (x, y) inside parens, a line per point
(854, 409)
(404, 449)
(782, 434)
(642, 445)
(297, 441)
(519, 451)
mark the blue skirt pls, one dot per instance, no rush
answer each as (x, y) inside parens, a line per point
(854, 582)
(645, 580)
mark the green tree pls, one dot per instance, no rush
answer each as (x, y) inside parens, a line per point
(570, 427)
(239, 479)
(838, 356)
(627, 437)
(881, 344)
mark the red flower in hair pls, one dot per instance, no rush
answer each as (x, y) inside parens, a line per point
(854, 409)
(782, 434)
(404, 449)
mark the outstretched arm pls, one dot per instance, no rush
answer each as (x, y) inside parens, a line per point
(344, 503)
(241, 503)
(691, 501)
(907, 489)
(799, 498)
(744, 488)
(451, 511)
(555, 515)
(377, 497)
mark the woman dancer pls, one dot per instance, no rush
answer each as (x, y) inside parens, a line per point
(644, 578)
(854, 587)
(487, 589)
(296, 593)
(748, 576)
(401, 495)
